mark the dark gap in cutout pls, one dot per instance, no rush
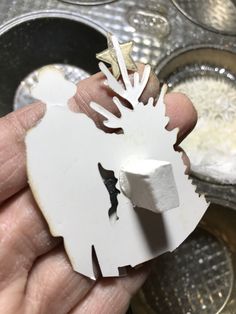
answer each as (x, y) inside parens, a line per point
(96, 267)
(110, 182)
(123, 270)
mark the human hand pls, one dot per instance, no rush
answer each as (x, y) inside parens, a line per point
(35, 274)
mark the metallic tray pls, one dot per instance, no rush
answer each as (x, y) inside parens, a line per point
(36, 33)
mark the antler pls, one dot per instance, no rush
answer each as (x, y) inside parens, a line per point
(129, 92)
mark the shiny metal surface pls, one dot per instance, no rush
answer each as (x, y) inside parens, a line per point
(196, 278)
(88, 2)
(142, 20)
(199, 276)
(216, 15)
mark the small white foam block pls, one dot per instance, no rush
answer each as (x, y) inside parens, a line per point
(149, 184)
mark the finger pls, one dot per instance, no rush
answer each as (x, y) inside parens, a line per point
(13, 128)
(24, 235)
(53, 287)
(112, 295)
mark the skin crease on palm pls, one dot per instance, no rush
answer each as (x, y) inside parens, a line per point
(35, 273)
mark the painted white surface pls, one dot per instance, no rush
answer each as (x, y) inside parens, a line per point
(63, 152)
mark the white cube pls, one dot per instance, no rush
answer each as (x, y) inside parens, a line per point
(149, 184)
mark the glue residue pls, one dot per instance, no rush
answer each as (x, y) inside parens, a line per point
(211, 146)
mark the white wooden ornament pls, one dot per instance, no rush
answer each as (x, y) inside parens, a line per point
(68, 158)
